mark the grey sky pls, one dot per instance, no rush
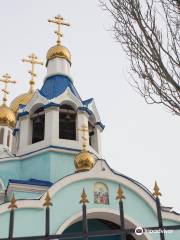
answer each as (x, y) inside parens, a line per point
(140, 140)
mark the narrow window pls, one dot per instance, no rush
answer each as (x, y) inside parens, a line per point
(1, 135)
(8, 138)
(67, 122)
(91, 134)
(38, 125)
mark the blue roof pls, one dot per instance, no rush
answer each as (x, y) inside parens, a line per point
(32, 181)
(56, 85)
(87, 102)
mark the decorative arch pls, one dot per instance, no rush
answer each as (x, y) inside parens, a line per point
(104, 214)
(35, 107)
(69, 103)
(69, 98)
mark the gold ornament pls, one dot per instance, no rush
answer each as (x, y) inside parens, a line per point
(12, 205)
(84, 198)
(47, 202)
(84, 161)
(156, 190)
(120, 194)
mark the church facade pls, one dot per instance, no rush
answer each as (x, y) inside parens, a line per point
(50, 157)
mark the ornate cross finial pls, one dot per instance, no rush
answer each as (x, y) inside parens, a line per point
(59, 21)
(120, 194)
(156, 190)
(47, 202)
(33, 60)
(13, 205)
(84, 129)
(6, 78)
(84, 199)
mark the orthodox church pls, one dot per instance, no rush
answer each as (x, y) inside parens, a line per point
(50, 156)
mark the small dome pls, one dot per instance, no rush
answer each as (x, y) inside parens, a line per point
(84, 161)
(21, 99)
(60, 52)
(7, 116)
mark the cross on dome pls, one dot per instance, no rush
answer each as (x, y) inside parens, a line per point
(59, 21)
(6, 79)
(84, 129)
(33, 60)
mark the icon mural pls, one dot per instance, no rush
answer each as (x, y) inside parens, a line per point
(101, 195)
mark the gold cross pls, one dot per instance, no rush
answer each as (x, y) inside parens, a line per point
(59, 21)
(84, 129)
(6, 78)
(33, 60)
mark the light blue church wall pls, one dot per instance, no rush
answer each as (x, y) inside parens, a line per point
(27, 195)
(49, 166)
(10, 169)
(61, 165)
(66, 204)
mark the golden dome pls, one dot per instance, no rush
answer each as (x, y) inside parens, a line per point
(60, 52)
(21, 99)
(84, 161)
(7, 116)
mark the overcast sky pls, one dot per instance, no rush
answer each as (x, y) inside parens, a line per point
(140, 140)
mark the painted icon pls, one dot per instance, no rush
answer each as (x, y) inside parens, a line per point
(101, 195)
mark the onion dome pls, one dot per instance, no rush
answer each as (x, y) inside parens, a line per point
(7, 116)
(21, 99)
(58, 51)
(84, 161)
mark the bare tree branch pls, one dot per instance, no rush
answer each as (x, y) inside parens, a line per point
(149, 32)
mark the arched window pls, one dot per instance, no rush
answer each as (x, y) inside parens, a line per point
(1, 135)
(67, 122)
(8, 138)
(38, 125)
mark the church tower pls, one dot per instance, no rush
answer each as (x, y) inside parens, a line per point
(51, 166)
(7, 118)
(54, 121)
